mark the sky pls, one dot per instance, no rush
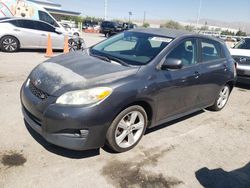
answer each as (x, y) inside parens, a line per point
(179, 10)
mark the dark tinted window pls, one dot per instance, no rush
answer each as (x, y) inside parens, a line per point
(27, 24)
(105, 24)
(186, 52)
(47, 18)
(14, 22)
(210, 50)
(45, 27)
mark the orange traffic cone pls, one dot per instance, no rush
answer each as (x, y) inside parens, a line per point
(66, 45)
(49, 51)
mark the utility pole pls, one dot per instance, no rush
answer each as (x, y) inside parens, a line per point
(129, 16)
(199, 13)
(105, 9)
(144, 17)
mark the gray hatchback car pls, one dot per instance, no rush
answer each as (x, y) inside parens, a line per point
(111, 93)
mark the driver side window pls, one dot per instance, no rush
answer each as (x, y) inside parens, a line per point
(186, 52)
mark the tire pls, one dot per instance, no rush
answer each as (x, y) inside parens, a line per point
(107, 35)
(9, 44)
(73, 46)
(222, 99)
(76, 34)
(123, 135)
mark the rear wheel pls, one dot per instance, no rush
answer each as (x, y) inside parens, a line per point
(222, 99)
(73, 46)
(127, 129)
(9, 44)
(107, 35)
(76, 34)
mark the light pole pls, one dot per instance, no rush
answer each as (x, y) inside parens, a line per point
(105, 9)
(199, 13)
(129, 15)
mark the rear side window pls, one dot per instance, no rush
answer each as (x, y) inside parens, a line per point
(210, 50)
(27, 24)
(47, 18)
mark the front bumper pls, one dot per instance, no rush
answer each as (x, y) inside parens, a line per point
(76, 128)
(70, 141)
(243, 73)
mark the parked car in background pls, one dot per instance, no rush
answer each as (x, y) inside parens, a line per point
(19, 33)
(241, 54)
(88, 24)
(109, 28)
(120, 87)
(71, 31)
(128, 26)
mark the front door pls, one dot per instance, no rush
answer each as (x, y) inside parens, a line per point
(56, 38)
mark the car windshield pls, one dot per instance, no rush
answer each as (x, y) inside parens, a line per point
(134, 48)
(243, 44)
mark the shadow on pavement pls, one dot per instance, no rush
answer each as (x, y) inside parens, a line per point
(218, 178)
(173, 122)
(243, 86)
(61, 151)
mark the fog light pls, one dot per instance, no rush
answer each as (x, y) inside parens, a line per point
(84, 133)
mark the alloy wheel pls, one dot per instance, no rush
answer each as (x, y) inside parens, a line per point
(72, 45)
(223, 97)
(10, 44)
(129, 129)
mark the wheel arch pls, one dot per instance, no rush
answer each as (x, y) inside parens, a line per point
(146, 106)
(231, 84)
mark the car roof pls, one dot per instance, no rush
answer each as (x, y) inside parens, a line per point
(17, 18)
(173, 33)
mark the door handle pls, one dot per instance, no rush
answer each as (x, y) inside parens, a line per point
(16, 30)
(196, 75)
(225, 67)
(43, 35)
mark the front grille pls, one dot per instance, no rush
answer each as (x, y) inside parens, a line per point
(37, 92)
(242, 59)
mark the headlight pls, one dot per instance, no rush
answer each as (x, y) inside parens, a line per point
(88, 96)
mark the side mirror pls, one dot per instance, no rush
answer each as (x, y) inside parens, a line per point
(171, 63)
(58, 31)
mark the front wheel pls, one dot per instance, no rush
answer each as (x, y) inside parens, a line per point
(222, 99)
(127, 129)
(9, 44)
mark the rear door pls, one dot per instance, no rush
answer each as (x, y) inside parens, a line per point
(178, 89)
(28, 35)
(213, 70)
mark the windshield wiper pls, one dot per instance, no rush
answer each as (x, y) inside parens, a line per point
(101, 57)
(118, 61)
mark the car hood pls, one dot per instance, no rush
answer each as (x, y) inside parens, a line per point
(77, 70)
(239, 52)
